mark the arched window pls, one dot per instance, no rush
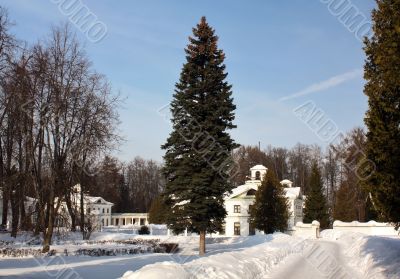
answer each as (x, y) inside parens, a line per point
(258, 175)
(251, 192)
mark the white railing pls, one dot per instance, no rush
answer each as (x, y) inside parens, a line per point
(369, 228)
(306, 230)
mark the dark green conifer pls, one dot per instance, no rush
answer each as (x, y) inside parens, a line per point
(316, 206)
(382, 72)
(270, 212)
(198, 149)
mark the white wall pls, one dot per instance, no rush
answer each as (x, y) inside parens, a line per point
(242, 217)
(369, 228)
(306, 230)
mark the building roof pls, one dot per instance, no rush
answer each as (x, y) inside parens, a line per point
(287, 182)
(97, 199)
(241, 189)
(292, 192)
(259, 167)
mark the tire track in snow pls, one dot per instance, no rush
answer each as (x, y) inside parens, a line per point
(320, 259)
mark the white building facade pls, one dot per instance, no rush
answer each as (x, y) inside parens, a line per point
(97, 209)
(101, 210)
(239, 202)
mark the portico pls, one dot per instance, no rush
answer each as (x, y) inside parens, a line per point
(125, 219)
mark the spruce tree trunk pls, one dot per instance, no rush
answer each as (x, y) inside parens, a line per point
(202, 247)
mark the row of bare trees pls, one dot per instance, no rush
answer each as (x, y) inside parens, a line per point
(131, 186)
(57, 115)
(341, 166)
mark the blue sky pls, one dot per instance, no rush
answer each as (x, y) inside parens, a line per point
(274, 49)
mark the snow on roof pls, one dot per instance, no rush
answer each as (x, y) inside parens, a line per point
(241, 189)
(181, 203)
(259, 167)
(293, 192)
(97, 199)
(286, 182)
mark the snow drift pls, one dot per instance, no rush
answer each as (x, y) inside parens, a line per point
(249, 263)
(360, 256)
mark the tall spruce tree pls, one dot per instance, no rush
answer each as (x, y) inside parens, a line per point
(316, 206)
(198, 150)
(270, 212)
(382, 72)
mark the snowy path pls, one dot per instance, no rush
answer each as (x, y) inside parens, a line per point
(336, 255)
(321, 259)
(77, 267)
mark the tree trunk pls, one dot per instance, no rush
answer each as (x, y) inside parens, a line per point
(5, 207)
(24, 218)
(71, 212)
(49, 224)
(82, 213)
(15, 212)
(3, 188)
(39, 217)
(202, 247)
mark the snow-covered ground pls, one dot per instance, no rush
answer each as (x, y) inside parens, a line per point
(335, 255)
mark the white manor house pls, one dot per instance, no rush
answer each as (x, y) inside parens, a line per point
(97, 208)
(238, 204)
(100, 209)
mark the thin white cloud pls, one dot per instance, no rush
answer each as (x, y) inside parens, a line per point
(326, 84)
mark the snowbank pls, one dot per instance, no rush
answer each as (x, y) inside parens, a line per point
(355, 254)
(248, 263)
(373, 256)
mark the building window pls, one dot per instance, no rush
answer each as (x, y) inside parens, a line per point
(103, 210)
(258, 175)
(236, 228)
(251, 192)
(107, 210)
(236, 209)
